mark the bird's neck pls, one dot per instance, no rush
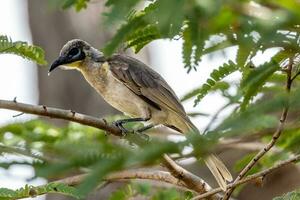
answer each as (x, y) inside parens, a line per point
(96, 75)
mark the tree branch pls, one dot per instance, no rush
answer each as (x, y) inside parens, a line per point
(275, 136)
(191, 181)
(250, 178)
(215, 116)
(178, 176)
(146, 174)
(60, 114)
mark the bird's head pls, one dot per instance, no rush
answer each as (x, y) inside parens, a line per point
(74, 54)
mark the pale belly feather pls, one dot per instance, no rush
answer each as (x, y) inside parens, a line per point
(123, 99)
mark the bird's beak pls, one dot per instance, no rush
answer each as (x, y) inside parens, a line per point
(60, 61)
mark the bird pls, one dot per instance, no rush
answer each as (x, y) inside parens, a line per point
(136, 90)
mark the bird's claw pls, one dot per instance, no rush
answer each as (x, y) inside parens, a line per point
(120, 126)
(125, 131)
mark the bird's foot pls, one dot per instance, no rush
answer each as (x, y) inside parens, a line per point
(119, 124)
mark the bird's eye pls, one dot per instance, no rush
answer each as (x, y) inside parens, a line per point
(74, 52)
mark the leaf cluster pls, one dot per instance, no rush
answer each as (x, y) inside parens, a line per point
(23, 49)
(57, 152)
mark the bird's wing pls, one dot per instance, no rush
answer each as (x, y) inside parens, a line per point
(146, 83)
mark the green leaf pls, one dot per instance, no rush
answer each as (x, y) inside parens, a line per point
(58, 188)
(151, 23)
(252, 119)
(142, 188)
(22, 49)
(168, 194)
(122, 33)
(132, 190)
(213, 82)
(100, 169)
(142, 37)
(124, 193)
(68, 3)
(168, 22)
(119, 10)
(255, 80)
(31, 191)
(294, 195)
(154, 150)
(193, 43)
(78, 4)
(187, 48)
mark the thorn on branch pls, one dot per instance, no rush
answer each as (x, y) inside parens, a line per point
(106, 124)
(17, 115)
(73, 113)
(15, 100)
(105, 121)
(259, 181)
(177, 38)
(32, 192)
(45, 108)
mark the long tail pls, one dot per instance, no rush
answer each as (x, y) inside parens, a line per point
(219, 170)
(214, 164)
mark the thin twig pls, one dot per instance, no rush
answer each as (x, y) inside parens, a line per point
(213, 119)
(23, 152)
(250, 178)
(228, 144)
(18, 115)
(275, 136)
(295, 76)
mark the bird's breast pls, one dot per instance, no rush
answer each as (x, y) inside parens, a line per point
(117, 94)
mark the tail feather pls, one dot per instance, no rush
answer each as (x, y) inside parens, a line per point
(215, 165)
(222, 168)
(219, 171)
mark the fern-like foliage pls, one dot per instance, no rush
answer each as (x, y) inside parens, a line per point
(255, 80)
(142, 37)
(127, 29)
(77, 4)
(196, 22)
(31, 191)
(77, 146)
(119, 10)
(145, 26)
(213, 82)
(144, 190)
(193, 44)
(187, 47)
(22, 49)
(294, 195)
